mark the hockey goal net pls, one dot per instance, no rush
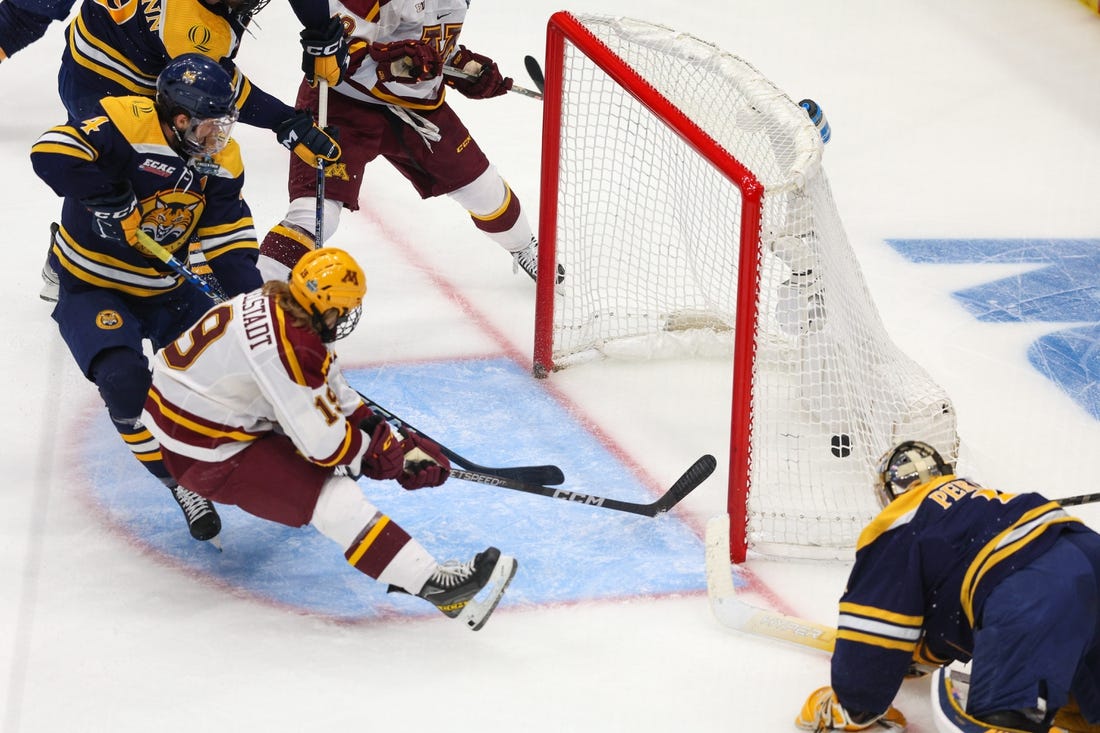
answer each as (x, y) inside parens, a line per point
(684, 195)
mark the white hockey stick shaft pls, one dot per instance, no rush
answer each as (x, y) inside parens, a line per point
(731, 611)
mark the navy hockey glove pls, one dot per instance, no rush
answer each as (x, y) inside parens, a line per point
(406, 62)
(325, 53)
(384, 457)
(425, 464)
(117, 215)
(488, 81)
(309, 142)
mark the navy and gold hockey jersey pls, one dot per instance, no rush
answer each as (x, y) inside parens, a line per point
(126, 142)
(118, 47)
(923, 570)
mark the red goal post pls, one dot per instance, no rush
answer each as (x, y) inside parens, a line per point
(684, 196)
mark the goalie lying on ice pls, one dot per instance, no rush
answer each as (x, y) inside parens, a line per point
(952, 571)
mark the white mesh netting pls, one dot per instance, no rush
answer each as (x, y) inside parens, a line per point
(648, 232)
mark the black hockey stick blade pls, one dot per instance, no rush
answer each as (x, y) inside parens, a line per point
(687, 483)
(549, 475)
(534, 70)
(699, 472)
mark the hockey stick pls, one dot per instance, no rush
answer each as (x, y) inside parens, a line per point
(533, 474)
(1078, 500)
(460, 74)
(695, 475)
(551, 475)
(535, 72)
(731, 611)
(322, 122)
(212, 291)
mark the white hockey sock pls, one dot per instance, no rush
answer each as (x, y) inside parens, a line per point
(372, 542)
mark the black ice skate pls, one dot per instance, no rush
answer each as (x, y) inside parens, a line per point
(453, 586)
(202, 519)
(528, 259)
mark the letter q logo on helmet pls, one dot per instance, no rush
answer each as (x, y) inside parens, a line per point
(329, 279)
(907, 465)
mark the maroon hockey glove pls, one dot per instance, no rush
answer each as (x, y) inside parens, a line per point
(489, 82)
(385, 457)
(425, 464)
(406, 62)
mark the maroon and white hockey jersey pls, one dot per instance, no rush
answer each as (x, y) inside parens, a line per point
(244, 370)
(385, 21)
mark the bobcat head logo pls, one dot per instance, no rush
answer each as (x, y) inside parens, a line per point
(171, 220)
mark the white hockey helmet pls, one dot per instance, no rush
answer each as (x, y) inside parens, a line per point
(908, 464)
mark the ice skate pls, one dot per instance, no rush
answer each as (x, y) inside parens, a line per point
(453, 586)
(202, 518)
(528, 259)
(50, 282)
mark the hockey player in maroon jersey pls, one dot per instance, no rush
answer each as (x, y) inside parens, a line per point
(251, 409)
(953, 571)
(169, 168)
(392, 104)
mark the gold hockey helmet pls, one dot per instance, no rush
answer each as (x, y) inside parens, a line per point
(329, 279)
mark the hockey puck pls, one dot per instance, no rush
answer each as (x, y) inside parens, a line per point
(841, 445)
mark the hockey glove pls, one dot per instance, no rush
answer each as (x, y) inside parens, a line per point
(406, 62)
(384, 457)
(301, 135)
(823, 711)
(425, 464)
(325, 53)
(489, 82)
(117, 215)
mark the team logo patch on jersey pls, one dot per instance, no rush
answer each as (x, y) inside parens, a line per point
(157, 168)
(170, 218)
(337, 170)
(108, 320)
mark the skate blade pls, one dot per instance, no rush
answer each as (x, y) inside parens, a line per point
(476, 612)
(216, 541)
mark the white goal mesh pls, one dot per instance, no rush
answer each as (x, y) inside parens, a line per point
(657, 170)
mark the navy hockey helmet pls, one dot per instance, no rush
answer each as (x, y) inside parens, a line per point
(907, 465)
(200, 88)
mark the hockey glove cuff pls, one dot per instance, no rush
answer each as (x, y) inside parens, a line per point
(425, 464)
(823, 711)
(117, 215)
(488, 82)
(406, 62)
(325, 53)
(384, 457)
(309, 142)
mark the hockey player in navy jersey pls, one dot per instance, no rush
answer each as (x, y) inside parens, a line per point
(170, 169)
(118, 49)
(22, 22)
(953, 571)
